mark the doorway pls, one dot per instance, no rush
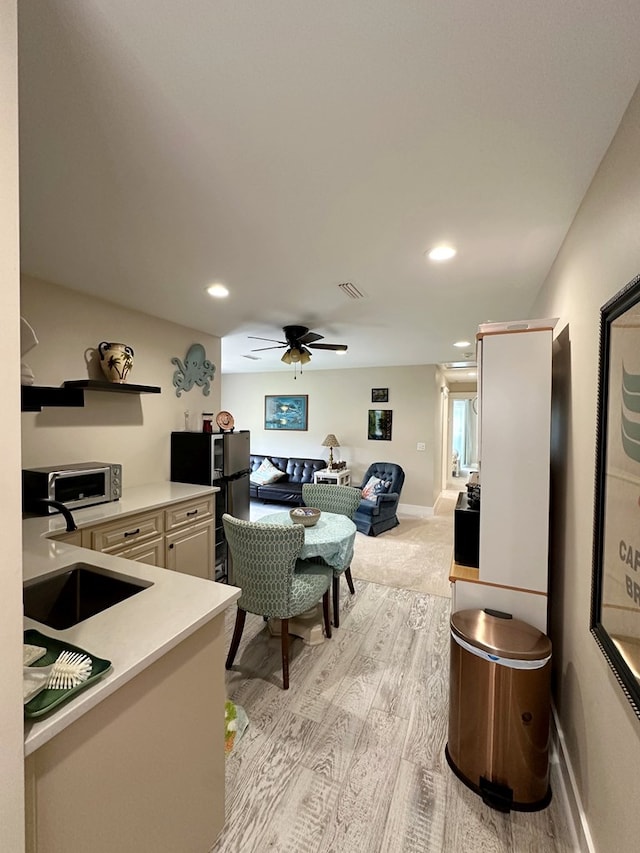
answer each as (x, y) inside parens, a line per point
(463, 437)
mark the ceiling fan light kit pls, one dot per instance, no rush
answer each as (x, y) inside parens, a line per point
(298, 340)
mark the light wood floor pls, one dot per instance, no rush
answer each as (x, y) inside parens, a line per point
(351, 758)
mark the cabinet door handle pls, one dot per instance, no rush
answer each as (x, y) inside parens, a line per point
(193, 512)
(132, 532)
(171, 546)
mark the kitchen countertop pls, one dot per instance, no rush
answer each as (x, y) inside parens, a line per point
(136, 632)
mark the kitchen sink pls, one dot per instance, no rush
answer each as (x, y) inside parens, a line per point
(74, 593)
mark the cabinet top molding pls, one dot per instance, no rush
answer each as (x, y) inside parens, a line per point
(516, 326)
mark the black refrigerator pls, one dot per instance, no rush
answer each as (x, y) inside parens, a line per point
(216, 459)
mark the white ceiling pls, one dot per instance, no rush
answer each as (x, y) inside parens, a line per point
(283, 147)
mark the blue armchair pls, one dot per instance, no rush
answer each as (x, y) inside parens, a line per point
(378, 514)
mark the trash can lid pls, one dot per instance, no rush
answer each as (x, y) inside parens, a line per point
(497, 635)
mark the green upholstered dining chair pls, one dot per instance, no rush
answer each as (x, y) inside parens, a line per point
(275, 583)
(343, 500)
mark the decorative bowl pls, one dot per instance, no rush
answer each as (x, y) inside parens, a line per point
(306, 515)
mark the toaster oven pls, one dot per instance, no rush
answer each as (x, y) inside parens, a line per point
(76, 485)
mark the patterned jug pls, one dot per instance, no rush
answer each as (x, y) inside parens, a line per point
(116, 361)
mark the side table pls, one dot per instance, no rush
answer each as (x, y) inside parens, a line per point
(341, 477)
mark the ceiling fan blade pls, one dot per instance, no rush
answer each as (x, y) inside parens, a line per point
(273, 340)
(334, 347)
(262, 349)
(310, 337)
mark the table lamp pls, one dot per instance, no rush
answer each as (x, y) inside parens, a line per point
(331, 441)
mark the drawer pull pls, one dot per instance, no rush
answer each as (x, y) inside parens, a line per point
(132, 532)
(193, 512)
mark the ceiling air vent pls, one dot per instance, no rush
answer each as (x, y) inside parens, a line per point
(349, 289)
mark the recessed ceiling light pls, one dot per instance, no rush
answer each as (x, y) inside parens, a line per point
(217, 290)
(441, 253)
(462, 344)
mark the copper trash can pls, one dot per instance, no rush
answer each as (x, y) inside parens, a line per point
(499, 709)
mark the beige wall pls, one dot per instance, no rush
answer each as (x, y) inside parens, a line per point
(131, 429)
(339, 401)
(11, 721)
(600, 254)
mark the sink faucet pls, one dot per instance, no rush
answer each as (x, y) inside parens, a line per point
(71, 525)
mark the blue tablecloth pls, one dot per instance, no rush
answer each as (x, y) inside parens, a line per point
(332, 538)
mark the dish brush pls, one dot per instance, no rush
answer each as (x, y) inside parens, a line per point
(69, 670)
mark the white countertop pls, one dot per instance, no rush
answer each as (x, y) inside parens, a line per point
(136, 632)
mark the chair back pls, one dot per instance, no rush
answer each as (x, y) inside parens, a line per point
(264, 558)
(343, 500)
(390, 472)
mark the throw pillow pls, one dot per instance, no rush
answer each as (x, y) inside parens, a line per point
(374, 487)
(266, 473)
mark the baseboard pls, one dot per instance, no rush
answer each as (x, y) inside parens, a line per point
(563, 783)
(415, 510)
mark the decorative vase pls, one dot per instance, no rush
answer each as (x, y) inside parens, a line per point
(116, 361)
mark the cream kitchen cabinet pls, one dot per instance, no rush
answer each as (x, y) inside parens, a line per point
(151, 552)
(190, 538)
(123, 534)
(144, 768)
(191, 550)
(179, 536)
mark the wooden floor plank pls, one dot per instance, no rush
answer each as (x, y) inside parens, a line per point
(369, 600)
(305, 812)
(323, 674)
(257, 796)
(391, 618)
(361, 812)
(330, 752)
(415, 822)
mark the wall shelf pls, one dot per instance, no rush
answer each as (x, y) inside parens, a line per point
(34, 397)
(71, 393)
(113, 387)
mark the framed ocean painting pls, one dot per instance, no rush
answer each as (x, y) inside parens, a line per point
(286, 412)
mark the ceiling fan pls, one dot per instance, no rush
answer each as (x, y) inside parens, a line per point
(298, 340)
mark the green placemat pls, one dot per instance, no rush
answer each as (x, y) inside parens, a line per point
(47, 700)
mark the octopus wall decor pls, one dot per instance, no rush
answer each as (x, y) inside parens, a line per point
(196, 370)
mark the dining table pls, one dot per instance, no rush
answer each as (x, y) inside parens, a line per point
(331, 538)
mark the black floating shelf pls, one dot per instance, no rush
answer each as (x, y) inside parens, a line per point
(34, 397)
(114, 387)
(71, 393)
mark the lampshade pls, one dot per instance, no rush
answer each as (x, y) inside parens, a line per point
(331, 441)
(295, 355)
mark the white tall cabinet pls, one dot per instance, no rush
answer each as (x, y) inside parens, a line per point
(514, 361)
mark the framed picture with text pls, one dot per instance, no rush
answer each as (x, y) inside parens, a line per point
(615, 591)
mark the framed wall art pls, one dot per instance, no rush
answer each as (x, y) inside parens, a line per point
(379, 395)
(380, 421)
(615, 592)
(286, 412)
